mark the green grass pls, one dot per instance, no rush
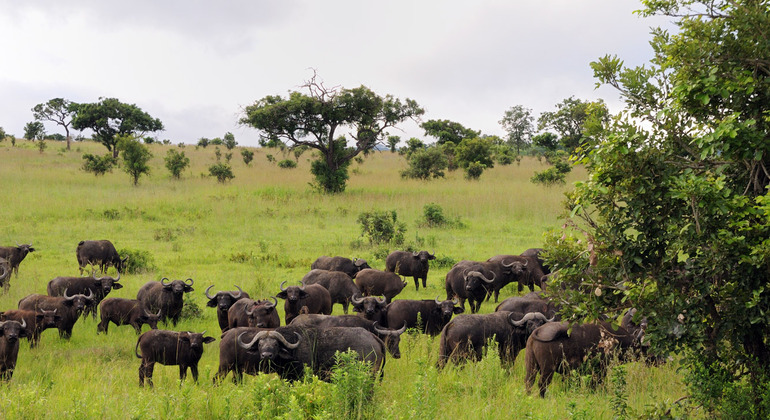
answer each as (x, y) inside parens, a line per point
(264, 227)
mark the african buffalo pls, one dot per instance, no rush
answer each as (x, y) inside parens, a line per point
(166, 297)
(525, 305)
(340, 286)
(101, 253)
(529, 275)
(170, 348)
(313, 296)
(345, 265)
(391, 337)
(466, 336)
(415, 264)
(507, 270)
(15, 254)
(534, 255)
(68, 307)
(469, 280)
(372, 308)
(121, 311)
(223, 301)
(253, 313)
(5, 275)
(235, 358)
(10, 332)
(36, 321)
(429, 316)
(554, 347)
(287, 350)
(99, 286)
(379, 283)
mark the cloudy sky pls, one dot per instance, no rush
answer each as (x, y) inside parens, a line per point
(195, 64)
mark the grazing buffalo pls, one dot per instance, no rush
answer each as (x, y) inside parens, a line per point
(534, 255)
(315, 297)
(15, 254)
(170, 348)
(287, 350)
(121, 311)
(253, 313)
(99, 286)
(372, 308)
(5, 275)
(345, 265)
(10, 332)
(429, 316)
(391, 337)
(166, 297)
(340, 285)
(36, 322)
(465, 336)
(413, 264)
(526, 304)
(101, 253)
(223, 301)
(380, 283)
(235, 358)
(554, 347)
(68, 307)
(469, 280)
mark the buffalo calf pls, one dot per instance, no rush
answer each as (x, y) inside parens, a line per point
(121, 311)
(10, 332)
(170, 348)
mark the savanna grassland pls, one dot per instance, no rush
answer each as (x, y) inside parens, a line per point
(264, 227)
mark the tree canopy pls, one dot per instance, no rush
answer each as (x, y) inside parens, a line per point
(575, 121)
(58, 110)
(518, 123)
(446, 131)
(674, 218)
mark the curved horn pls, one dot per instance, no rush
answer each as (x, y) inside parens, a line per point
(240, 292)
(90, 294)
(433, 254)
(415, 254)
(5, 272)
(67, 297)
(455, 301)
(117, 278)
(356, 301)
(380, 300)
(302, 282)
(528, 317)
(207, 292)
(465, 274)
(485, 278)
(283, 289)
(438, 302)
(383, 331)
(190, 280)
(23, 323)
(283, 340)
(256, 338)
(507, 265)
(163, 281)
(271, 305)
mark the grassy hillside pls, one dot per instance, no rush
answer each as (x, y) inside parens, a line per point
(265, 227)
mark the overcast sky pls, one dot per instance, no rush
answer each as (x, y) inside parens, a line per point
(196, 64)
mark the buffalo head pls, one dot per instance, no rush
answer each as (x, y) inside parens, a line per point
(476, 279)
(150, 319)
(292, 293)
(369, 306)
(271, 345)
(223, 300)
(13, 330)
(78, 301)
(446, 308)
(195, 340)
(529, 321)
(391, 338)
(259, 315)
(47, 319)
(177, 287)
(107, 283)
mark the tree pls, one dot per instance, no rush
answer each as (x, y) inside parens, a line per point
(571, 120)
(34, 130)
(517, 122)
(3, 135)
(674, 218)
(203, 142)
(474, 155)
(176, 162)
(135, 157)
(412, 145)
(247, 155)
(426, 164)
(446, 131)
(111, 119)
(98, 165)
(229, 141)
(222, 171)
(313, 120)
(393, 143)
(58, 110)
(547, 141)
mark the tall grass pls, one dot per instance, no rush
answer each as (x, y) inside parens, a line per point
(264, 227)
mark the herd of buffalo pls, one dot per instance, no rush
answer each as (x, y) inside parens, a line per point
(253, 340)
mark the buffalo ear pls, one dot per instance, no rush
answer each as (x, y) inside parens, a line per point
(282, 295)
(31, 249)
(57, 318)
(188, 289)
(458, 310)
(117, 286)
(212, 303)
(358, 308)
(23, 333)
(209, 339)
(39, 317)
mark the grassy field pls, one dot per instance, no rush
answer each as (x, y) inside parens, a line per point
(264, 227)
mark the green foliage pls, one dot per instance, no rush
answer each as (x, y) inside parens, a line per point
(446, 131)
(34, 130)
(354, 386)
(505, 155)
(474, 170)
(270, 158)
(434, 215)
(203, 142)
(222, 171)
(3, 135)
(518, 123)
(41, 145)
(549, 177)
(98, 165)
(475, 150)
(217, 154)
(575, 121)
(136, 157)
(393, 143)
(229, 141)
(247, 155)
(287, 164)
(176, 162)
(426, 164)
(413, 145)
(190, 309)
(547, 141)
(379, 226)
(139, 262)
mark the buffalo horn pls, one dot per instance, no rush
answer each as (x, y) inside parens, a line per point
(528, 317)
(90, 294)
(67, 297)
(438, 302)
(5, 272)
(163, 281)
(207, 292)
(283, 340)
(384, 331)
(271, 305)
(283, 289)
(433, 254)
(486, 279)
(256, 338)
(240, 292)
(190, 280)
(23, 323)
(302, 282)
(380, 300)
(356, 300)
(415, 254)
(118, 277)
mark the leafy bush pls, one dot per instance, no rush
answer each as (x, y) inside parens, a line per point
(444, 261)
(98, 165)
(382, 227)
(287, 164)
(248, 156)
(176, 162)
(138, 261)
(434, 215)
(548, 177)
(426, 164)
(135, 157)
(354, 386)
(474, 170)
(190, 310)
(222, 171)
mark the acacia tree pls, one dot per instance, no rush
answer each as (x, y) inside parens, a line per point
(34, 130)
(446, 131)
(675, 216)
(314, 120)
(575, 121)
(58, 110)
(518, 123)
(111, 119)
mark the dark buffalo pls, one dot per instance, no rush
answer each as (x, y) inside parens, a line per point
(253, 313)
(15, 254)
(555, 348)
(534, 255)
(372, 308)
(235, 358)
(68, 307)
(170, 348)
(36, 321)
(10, 332)
(99, 286)
(429, 316)
(166, 297)
(131, 312)
(313, 296)
(287, 350)
(508, 269)
(526, 304)
(413, 264)
(531, 274)
(5, 275)
(391, 337)
(340, 285)
(469, 280)
(466, 336)
(345, 265)
(379, 283)
(223, 301)
(101, 253)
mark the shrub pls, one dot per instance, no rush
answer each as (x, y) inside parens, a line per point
(354, 386)
(248, 156)
(287, 164)
(474, 170)
(549, 177)
(176, 162)
(98, 165)
(434, 215)
(381, 227)
(138, 261)
(222, 171)
(426, 164)
(190, 310)
(41, 145)
(135, 158)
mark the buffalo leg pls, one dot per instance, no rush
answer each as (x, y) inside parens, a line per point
(416, 283)
(424, 282)
(103, 325)
(65, 333)
(145, 371)
(194, 371)
(182, 372)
